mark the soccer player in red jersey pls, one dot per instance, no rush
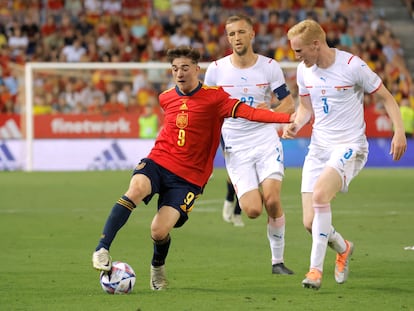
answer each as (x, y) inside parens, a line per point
(181, 161)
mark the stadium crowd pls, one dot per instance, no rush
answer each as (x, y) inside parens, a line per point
(141, 31)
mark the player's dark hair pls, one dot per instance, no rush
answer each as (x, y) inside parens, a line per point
(183, 51)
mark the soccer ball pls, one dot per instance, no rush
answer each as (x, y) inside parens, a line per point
(120, 280)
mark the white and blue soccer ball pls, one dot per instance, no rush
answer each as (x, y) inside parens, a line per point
(120, 280)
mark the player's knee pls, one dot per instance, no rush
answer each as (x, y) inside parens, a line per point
(139, 188)
(272, 204)
(253, 212)
(158, 233)
(319, 196)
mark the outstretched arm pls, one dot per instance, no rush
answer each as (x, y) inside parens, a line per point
(261, 115)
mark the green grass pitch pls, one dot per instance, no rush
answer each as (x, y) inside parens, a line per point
(50, 223)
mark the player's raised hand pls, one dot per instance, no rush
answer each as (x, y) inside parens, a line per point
(290, 130)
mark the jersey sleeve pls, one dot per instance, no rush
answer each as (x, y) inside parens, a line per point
(277, 80)
(210, 76)
(364, 76)
(259, 115)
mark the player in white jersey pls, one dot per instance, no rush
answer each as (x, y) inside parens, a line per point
(253, 152)
(331, 85)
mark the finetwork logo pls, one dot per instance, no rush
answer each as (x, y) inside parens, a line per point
(10, 130)
(8, 162)
(112, 158)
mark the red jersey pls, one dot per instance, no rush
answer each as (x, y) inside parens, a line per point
(188, 141)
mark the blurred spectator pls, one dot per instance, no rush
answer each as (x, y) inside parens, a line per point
(188, 25)
(139, 81)
(5, 96)
(179, 38)
(145, 93)
(40, 105)
(410, 7)
(18, 43)
(89, 94)
(9, 107)
(274, 22)
(32, 31)
(92, 54)
(70, 94)
(181, 7)
(55, 7)
(49, 33)
(125, 94)
(380, 24)
(284, 54)
(359, 24)
(93, 9)
(332, 38)
(73, 52)
(61, 106)
(197, 42)
(263, 40)
(124, 41)
(407, 114)
(75, 7)
(96, 105)
(133, 105)
(332, 6)
(104, 42)
(111, 7)
(279, 39)
(82, 26)
(159, 43)
(113, 106)
(11, 82)
(346, 39)
(148, 120)
(67, 29)
(170, 25)
(3, 37)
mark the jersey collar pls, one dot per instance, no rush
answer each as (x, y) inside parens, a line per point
(191, 93)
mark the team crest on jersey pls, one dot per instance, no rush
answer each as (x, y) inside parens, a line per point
(182, 120)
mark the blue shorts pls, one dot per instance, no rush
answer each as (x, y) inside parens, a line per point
(173, 190)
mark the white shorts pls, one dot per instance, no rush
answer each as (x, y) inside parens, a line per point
(347, 160)
(249, 168)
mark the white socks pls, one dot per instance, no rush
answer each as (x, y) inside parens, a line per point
(276, 236)
(321, 229)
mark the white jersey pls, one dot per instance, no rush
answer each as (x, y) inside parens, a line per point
(337, 96)
(252, 86)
